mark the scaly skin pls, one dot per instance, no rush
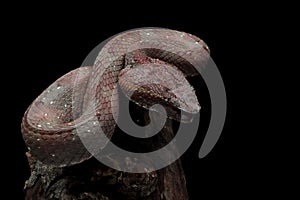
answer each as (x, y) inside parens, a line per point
(82, 101)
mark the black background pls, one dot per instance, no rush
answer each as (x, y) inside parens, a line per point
(46, 42)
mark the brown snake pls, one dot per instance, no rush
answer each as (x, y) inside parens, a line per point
(152, 62)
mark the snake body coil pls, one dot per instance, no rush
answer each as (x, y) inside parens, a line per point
(150, 63)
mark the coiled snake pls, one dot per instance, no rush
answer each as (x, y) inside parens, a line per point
(150, 63)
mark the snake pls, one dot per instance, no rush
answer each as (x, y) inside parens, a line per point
(149, 65)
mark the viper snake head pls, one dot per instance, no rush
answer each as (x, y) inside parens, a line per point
(160, 83)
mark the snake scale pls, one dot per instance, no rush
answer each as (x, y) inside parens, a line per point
(150, 63)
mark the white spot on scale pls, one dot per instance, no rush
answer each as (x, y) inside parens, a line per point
(39, 125)
(58, 87)
(38, 139)
(53, 155)
(51, 102)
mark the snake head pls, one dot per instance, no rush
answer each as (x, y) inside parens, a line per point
(160, 83)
